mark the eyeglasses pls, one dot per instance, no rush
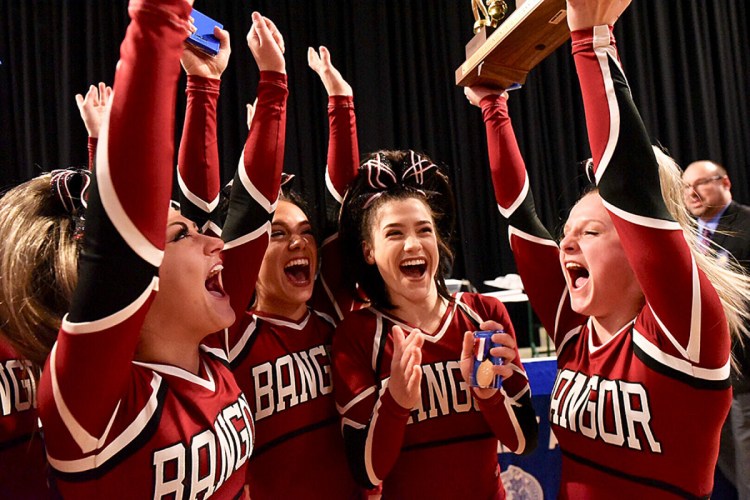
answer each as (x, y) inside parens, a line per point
(701, 182)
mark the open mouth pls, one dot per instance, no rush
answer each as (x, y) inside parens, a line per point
(579, 275)
(213, 282)
(414, 268)
(298, 271)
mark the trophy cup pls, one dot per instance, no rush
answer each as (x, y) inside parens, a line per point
(501, 54)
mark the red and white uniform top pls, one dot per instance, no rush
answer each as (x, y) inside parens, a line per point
(639, 415)
(115, 427)
(447, 447)
(281, 365)
(23, 473)
(284, 367)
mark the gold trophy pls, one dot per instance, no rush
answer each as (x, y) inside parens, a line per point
(501, 54)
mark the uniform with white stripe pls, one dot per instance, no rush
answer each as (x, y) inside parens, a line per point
(638, 416)
(198, 173)
(447, 447)
(24, 470)
(116, 428)
(284, 367)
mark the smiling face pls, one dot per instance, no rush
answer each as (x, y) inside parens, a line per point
(287, 274)
(403, 244)
(600, 281)
(191, 296)
(706, 189)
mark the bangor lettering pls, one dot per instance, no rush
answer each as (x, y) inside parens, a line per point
(17, 386)
(615, 411)
(192, 471)
(291, 380)
(444, 391)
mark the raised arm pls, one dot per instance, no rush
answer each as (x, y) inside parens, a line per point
(682, 304)
(255, 188)
(92, 108)
(343, 148)
(535, 251)
(125, 231)
(330, 294)
(198, 168)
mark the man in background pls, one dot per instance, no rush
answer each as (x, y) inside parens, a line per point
(726, 223)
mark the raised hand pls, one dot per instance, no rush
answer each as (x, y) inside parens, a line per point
(266, 44)
(198, 63)
(92, 107)
(507, 352)
(329, 75)
(406, 372)
(587, 13)
(476, 94)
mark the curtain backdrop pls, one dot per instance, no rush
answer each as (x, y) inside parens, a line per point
(687, 61)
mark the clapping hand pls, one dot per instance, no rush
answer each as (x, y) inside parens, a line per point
(406, 370)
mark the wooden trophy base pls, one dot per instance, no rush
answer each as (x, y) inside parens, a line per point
(503, 58)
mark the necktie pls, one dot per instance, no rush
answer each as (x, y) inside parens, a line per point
(706, 239)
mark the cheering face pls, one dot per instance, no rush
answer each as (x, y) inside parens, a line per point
(191, 294)
(287, 274)
(599, 278)
(404, 246)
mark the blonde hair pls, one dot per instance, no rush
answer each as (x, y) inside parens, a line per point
(728, 277)
(38, 268)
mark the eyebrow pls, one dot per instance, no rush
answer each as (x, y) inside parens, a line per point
(305, 223)
(583, 222)
(399, 224)
(184, 225)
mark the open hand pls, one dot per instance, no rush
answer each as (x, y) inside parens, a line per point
(588, 13)
(92, 107)
(329, 75)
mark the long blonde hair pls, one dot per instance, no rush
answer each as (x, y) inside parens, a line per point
(728, 277)
(38, 268)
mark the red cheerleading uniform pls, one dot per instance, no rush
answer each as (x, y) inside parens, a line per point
(23, 473)
(115, 427)
(447, 447)
(639, 415)
(282, 366)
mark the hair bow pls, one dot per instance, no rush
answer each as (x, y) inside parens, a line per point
(70, 190)
(381, 177)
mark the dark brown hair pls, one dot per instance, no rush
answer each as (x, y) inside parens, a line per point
(365, 197)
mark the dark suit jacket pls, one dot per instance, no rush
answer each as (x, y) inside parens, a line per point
(733, 233)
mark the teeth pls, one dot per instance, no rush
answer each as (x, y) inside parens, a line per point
(298, 262)
(215, 270)
(573, 265)
(414, 262)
